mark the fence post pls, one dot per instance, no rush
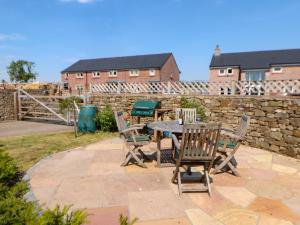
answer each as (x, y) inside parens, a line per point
(119, 88)
(16, 108)
(169, 87)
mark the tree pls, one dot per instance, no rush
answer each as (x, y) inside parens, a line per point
(21, 71)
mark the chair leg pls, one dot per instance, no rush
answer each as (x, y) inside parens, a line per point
(143, 154)
(132, 154)
(175, 172)
(126, 161)
(233, 169)
(207, 180)
(179, 183)
(226, 160)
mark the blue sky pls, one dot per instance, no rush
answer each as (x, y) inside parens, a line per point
(56, 33)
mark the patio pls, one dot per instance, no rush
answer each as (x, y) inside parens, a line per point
(268, 191)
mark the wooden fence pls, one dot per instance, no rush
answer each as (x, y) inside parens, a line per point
(268, 87)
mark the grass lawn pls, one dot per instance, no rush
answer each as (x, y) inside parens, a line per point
(27, 150)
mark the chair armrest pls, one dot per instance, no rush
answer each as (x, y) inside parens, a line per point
(175, 141)
(232, 136)
(130, 129)
(137, 126)
(226, 130)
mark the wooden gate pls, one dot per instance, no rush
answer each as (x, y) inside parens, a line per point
(41, 107)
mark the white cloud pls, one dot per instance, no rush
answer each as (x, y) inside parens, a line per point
(79, 1)
(11, 37)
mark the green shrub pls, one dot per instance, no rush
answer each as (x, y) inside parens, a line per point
(8, 169)
(105, 119)
(63, 216)
(187, 103)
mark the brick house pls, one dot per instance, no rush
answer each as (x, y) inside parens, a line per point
(255, 66)
(141, 68)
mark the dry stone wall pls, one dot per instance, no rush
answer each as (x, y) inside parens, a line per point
(274, 126)
(6, 105)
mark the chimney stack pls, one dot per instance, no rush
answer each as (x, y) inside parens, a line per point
(217, 51)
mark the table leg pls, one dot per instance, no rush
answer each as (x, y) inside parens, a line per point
(158, 155)
(155, 120)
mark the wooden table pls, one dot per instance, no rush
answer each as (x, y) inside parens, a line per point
(172, 126)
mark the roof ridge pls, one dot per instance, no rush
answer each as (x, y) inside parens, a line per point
(127, 56)
(258, 51)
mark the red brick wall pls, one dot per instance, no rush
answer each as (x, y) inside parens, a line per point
(288, 73)
(122, 75)
(170, 70)
(215, 77)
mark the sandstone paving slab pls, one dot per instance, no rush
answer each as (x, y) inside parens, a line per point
(81, 192)
(106, 216)
(261, 174)
(175, 221)
(238, 195)
(113, 156)
(100, 168)
(269, 189)
(44, 181)
(227, 179)
(289, 181)
(284, 169)
(237, 217)
(294, 204)
(273, 208)
(156, 205)
(43, 195)
(211, 205)
(267, 220)
(265, 158)
(151, 168)
(199, 217)
(259, 165)
(286, 161)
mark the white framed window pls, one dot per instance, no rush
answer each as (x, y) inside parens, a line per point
(151, 72)
(134, 73)
(79, 75)
(96, 74)
(277, 69)
(79, 88)
(229, 71)
(66, 75)
(222, 72)
(112, 73)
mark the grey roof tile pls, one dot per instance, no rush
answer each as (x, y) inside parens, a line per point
(257, 59)
(118, 63)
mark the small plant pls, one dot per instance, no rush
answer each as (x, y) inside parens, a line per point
(105, 119)
(186, 103)
(68, 104)
(124, 220)
(63, 216)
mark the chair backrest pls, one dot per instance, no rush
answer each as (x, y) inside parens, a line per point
(120, 121)
(189, 114)
(242, 128)
(199, 142)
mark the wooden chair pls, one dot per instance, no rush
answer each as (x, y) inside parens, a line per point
(230, 143)
(198, 147)
(189, 114)
(133, 140)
